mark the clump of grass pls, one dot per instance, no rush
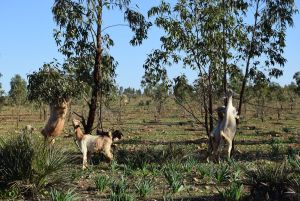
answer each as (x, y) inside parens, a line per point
(101, 183)
(144, 188)
(167, 197)
(268, 181)
(119, 191)
(141, 159)
(275, 147)
(16, 156)
(291, 152)
(61, 196)
(29, 167)
(222, 173)
(189, 164)
(174, 179)
(233, 193)
(114, 166)
(295, 163)
(205, 170)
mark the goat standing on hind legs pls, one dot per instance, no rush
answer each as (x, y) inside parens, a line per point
(56, 121)
(228, 125)
(215, 137)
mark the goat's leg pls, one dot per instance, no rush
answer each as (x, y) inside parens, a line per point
(108, 155)
(84, 160)
(229, 141)
(232, 150)
(229, 148)
(89, 157)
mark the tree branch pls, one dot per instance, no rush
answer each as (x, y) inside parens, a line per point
(115, 25)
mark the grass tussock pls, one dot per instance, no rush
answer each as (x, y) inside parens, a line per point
(270, 181)
(27, 168)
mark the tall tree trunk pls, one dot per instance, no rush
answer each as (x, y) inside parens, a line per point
(210, 102)
(97, 73)
(224, 54)
(250, 55)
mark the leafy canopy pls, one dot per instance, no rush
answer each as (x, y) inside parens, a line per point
(52, 85)
(18, 90)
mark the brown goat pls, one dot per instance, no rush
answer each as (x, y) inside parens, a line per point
(56, 121)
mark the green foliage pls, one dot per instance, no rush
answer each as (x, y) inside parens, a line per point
(52, 85)
(182, 90)
(144, 187)
(295, 163)
(61, 196)
(206, 170)
(101, 183)
(77, 20)
(222, 173)
(268, 181)
(18, 90)
(29, 167)
(16, 156)
(174, 179)
(232, 193)
(119, 191)
(276, 146)
(159, 94)
(49, 165)
(189, 164)
(141, 159)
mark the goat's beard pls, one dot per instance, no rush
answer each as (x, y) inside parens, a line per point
(56, 121)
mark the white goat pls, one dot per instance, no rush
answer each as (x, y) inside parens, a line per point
(228, 125)
(215, 137)
(89, 144)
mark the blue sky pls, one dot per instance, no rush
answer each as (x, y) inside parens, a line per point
(26, 42)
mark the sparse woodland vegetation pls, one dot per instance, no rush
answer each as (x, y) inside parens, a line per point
(231, 45)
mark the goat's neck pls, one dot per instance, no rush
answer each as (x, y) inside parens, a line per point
(229, 102)
(79, 133)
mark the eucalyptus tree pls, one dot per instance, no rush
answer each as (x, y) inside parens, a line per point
(186, 96)
(201, 35)
(18, 90)
(81, 35)
(265, 39)
(158, 88)
(217, 38)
